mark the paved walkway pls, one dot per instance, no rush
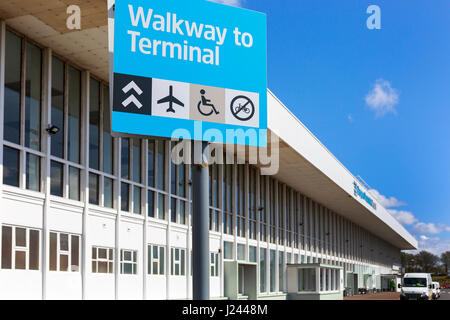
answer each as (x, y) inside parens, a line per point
(376, 296)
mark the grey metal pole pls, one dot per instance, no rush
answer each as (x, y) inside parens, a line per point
(200, 222)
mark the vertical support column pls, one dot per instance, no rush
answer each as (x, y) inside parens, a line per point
(2, 106)
(258, 179)
(306, 222)
(246, 187)
(316, 227)
(46, 143)
(118, 197)
(268, 211)
(144, 210)
(200, 225)
(167, 217)
(221, 203)
(278, 234)
(85, 93)
(317, 279)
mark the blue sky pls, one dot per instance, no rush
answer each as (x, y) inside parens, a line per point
(378, 99)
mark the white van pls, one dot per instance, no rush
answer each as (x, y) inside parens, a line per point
(417, 286)
(436, 290)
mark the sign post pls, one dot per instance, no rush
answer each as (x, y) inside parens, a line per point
(200, 222)
(195, 70)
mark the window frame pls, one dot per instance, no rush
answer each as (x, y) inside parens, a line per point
(14, 248)
(67, 252)
(133, 262)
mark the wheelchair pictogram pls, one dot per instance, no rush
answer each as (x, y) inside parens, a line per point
(205, 104)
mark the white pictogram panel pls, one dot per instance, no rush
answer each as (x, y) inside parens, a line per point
(242, 108)
(170, 99)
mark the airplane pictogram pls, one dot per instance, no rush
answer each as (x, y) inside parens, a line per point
(171, 100)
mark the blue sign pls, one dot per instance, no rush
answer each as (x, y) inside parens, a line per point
(190, 66)
(359, 193)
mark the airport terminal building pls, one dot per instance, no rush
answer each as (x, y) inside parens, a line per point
(85, 215)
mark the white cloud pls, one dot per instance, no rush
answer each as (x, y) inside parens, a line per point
(350, 118)
(382, 98)
(404, 217)
(234, 3)
(407, 218)
(430, 228)
(386, 202)
(434, 245)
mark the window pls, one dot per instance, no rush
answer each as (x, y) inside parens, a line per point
(214, 213)
(125, 194)
(214, 264)
(173, 210)
(272, 270)
(161, 207)
(280, 271)
(289, 225)
(56, 179)
(240, 190)
(151, 163)
(20, 248)
(241, 252)
(128, 261)
(252, 203)
(64, 252)
(262, 210)
(272, 210)
(74, 114)
(94, 124)
(108, 141)
(102, 260)
(161, 161)
(66, 116)
(33, 170)
(125, 158)
(228, 250)
(151, 204)
(227, 195)
(281, 223)
(11, 166)
(108, 192)
(136, 165)
(306, 280)
(252, 251)
(101, 145)
(57, 109)
(178, 262)
(33, 97)
(22, 102)
(156, 184)
(178, 186)
(93, 189)
(13, 84)
(262, 270)
(136, 200)
(156, 258)
(74, 183)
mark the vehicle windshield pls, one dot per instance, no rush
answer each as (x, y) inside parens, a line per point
(414, 282)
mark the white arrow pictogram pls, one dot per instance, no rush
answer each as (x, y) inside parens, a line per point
(132, 99)
(130, 86)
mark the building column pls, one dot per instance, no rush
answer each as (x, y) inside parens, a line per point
(2, 101)
(84, 155)
(46, 143)
(144, 210)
